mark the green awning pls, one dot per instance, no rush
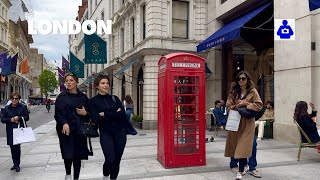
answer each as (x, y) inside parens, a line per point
(208, 71)
(90, 79)
(124, 68)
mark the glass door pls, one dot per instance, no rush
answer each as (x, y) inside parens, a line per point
(186, 114)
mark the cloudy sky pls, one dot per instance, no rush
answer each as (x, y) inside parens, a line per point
(52, 46)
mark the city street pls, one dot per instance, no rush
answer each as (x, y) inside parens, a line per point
(42, 160)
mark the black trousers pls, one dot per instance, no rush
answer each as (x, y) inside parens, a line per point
(113, 142)
(76, 167)
(15, 154)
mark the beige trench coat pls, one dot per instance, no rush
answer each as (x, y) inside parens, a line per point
(239, 143)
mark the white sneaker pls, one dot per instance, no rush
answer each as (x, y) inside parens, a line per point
(234, 170)
(259, 139)
(239, 176)
(68, 177)
(246, 169)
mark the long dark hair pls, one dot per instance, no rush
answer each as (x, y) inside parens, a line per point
(300, 110)
(235, 89)
(128, 99)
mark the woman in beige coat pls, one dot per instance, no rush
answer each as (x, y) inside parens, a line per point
(239, 143)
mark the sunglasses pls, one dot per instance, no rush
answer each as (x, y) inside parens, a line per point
(242, 78)
(15, 98)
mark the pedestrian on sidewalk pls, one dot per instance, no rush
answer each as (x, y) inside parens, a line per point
(128, 107)
(239, 143)
(69, 107)
(109, 112)
(12, 115)
(252, 162)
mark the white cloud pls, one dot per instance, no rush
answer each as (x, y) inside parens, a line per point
(52, 46)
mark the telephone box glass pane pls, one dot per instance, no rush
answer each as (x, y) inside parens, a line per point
(186, 114)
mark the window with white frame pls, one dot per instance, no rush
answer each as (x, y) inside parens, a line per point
(121, 40)
(180, 19)
(1, 34)
(102, 15)
(222, 1)
(112, 47)
(132, 32)
(143, 21)
(112, 7)
(5, 36)
(91, 7)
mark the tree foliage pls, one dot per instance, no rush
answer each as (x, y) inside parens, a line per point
(47, 82)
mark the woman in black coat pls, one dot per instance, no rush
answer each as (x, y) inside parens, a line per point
(12, 115)
(69, 109)
(307, 121)
(109, 112)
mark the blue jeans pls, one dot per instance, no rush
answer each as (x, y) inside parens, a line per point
(128, 112)
(252, 160)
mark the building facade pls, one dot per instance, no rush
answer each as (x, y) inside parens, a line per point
(20, 38)
(4, 41)
(142, 32)
(36, 64)
(290, 69)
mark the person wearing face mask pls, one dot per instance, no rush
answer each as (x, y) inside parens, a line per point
(12, 115)
(239, 143)
(69, 109)
(109, 112)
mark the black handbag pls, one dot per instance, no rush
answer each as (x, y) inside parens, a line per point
(247, 113)
(88, 129)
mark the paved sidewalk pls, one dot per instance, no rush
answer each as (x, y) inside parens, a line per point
(42, 160)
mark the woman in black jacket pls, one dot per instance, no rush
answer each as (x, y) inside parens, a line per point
(12, 116)
(69, 109)
(307, 121)
(109, 112)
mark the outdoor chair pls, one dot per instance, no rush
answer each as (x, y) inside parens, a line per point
(309, 144)
(268, 129)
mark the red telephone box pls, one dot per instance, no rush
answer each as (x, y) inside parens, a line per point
(181, 110)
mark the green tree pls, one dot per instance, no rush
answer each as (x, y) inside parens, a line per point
(47, 82)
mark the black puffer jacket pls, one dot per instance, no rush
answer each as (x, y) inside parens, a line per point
(75, 145)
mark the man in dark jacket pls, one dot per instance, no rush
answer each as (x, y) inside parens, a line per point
(12, 116)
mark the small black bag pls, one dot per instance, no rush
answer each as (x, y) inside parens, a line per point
(88, 129)
(247, 113)
(130, 129)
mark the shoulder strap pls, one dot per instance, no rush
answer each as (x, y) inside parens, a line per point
(113, 98)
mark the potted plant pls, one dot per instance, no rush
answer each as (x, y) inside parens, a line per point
(137, 121)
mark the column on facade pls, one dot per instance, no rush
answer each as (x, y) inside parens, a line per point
(150, 92)
(293, 69)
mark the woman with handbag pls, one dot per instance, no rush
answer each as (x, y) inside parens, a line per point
(109, 112)
(12, 115)
(69, 110)
(243, 96)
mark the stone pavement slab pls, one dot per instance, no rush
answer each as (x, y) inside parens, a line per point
(42, 160)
